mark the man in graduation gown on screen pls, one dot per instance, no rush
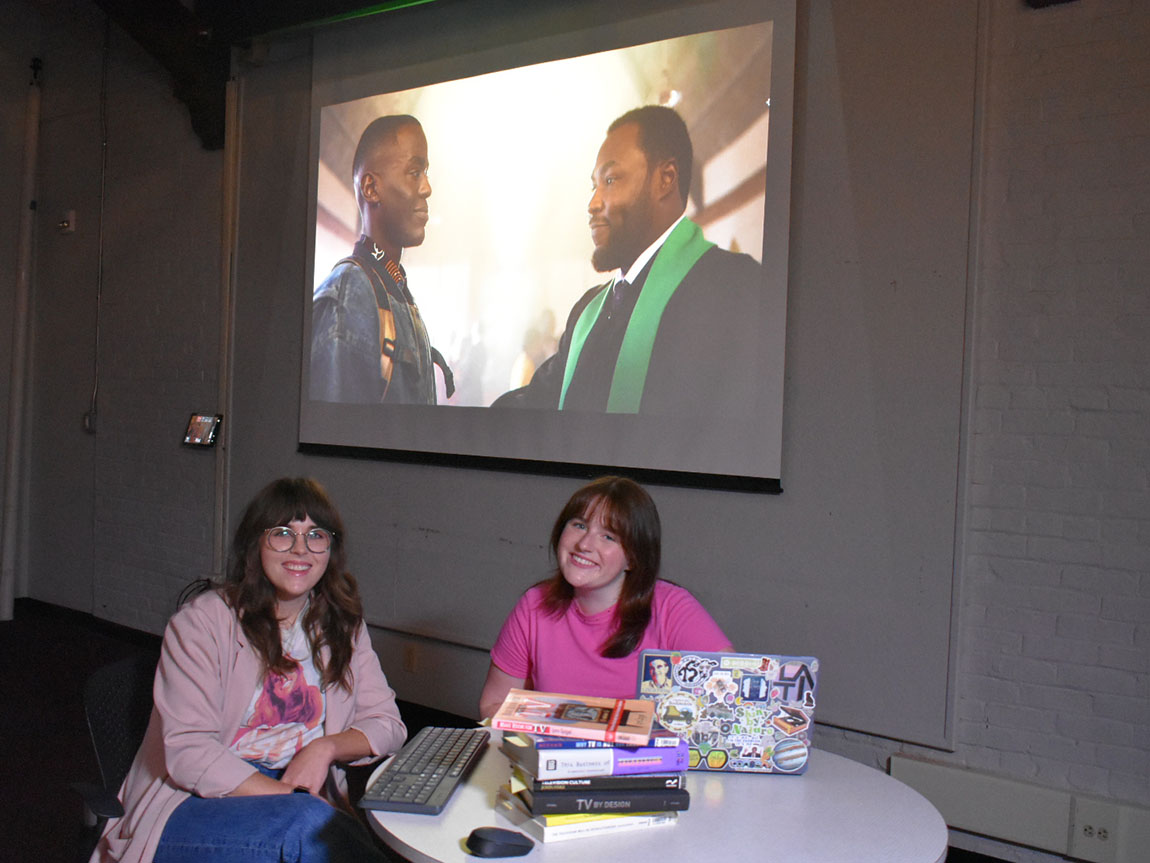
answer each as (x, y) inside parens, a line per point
(369, 343)
(674, 331)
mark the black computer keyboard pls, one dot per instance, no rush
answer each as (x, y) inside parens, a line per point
(426, 771)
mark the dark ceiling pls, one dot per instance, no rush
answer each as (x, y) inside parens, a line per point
(194, 44)
(194, 41)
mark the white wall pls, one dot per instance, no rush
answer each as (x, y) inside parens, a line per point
(120, 519)
(1053, 670)
(1054, 651)
(1058, 578)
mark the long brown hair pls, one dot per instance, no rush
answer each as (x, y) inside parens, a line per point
(627, 511)
(335, 611)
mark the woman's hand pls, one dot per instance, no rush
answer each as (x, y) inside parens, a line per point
(309, 768)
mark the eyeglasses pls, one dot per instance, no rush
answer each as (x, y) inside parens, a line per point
(317, 539)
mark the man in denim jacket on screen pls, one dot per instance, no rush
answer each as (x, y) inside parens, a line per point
(369, 343)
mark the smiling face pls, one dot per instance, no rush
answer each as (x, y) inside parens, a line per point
(394, 188)
(295, 572)
(592, 560)
(659, 670)
(622, 205)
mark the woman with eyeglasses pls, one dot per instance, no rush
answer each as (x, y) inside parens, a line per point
(266, 685)
(581, 630)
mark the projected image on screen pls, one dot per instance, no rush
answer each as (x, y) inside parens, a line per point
(565, 261)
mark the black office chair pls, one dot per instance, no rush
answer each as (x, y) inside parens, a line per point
(118, 704)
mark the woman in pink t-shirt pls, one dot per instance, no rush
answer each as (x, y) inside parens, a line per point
(581, 631)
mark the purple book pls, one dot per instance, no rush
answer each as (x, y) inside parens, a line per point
(576, 762)
(546, 741)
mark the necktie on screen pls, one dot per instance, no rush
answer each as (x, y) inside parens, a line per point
(615, 298)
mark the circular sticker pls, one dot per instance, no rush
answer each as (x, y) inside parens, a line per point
(790, 755)
(678, 712)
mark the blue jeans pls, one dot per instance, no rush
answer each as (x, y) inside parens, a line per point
(277, 828)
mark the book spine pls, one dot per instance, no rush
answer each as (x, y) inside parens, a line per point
(583, 763)
(565, 764)
(534, 827)
(573, 802)
(635, 782)
(583, 731)
(559, 832)
(505, 724)
(539, 742)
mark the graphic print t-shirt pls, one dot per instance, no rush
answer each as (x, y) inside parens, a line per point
(287, 710)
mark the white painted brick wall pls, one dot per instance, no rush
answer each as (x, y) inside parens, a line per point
(1053, 677)
(1054, 669)
(1055, 584)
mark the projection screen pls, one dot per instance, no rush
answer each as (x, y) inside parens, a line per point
(513, 137)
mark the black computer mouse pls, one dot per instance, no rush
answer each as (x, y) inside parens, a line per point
(497, 842)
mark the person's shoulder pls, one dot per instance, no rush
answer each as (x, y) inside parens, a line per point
(207, 607)
(533, 596)
(669, 590)
(346, 276)
(671, 595)
(724, 285)
(718, 259)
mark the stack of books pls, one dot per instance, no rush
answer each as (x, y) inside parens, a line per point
(578, 771)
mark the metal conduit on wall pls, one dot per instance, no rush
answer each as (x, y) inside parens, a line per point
(13, 462)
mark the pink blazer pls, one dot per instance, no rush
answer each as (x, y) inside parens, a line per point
(204, 683)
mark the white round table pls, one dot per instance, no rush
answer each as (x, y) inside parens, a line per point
(839, 810)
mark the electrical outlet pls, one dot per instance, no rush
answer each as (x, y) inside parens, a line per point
(1093, 830)
(409, 658)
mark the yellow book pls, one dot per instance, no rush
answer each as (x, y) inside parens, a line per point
(584, 817)
(556, 828)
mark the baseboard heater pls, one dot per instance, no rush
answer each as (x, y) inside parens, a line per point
(1011, 810)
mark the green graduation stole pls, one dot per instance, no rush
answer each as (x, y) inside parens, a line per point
(673, 261)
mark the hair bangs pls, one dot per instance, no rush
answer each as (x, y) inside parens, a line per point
(293, 500)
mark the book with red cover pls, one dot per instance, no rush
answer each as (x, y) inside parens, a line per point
(659, 737)
(613, 720)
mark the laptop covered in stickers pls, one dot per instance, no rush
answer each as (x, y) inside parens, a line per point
(738, 712)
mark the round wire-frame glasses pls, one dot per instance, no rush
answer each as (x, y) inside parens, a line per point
(317, 540)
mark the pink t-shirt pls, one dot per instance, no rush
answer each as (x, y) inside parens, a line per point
(561, 654)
